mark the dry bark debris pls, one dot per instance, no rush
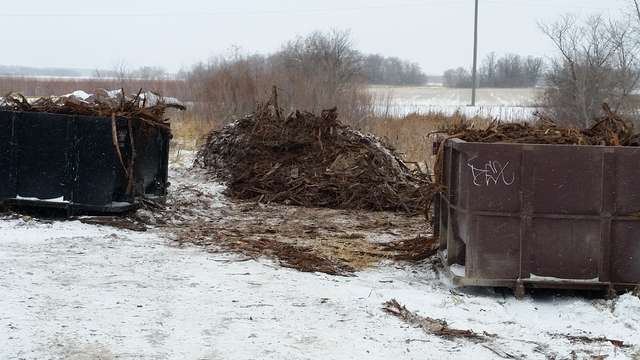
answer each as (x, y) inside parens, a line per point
(416, 249)
(590, 340)
(102, 104)
(290, 240)
(309, 160)
(288, 255)
(431, 326)
(331, 241)
(610, 130)
(120, 222)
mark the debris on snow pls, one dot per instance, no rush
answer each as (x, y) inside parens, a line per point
(120, 222)
(324, 240)
(431, 326)
(588, 340)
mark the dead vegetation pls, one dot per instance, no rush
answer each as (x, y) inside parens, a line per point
(332, 241)
(309, 160)
(609, 130)
(45, 86)
(120, 222)
(143, 106)
(592, 340)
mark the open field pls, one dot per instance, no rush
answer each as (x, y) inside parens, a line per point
(503, 104)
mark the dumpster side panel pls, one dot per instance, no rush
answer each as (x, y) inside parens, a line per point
(458, 233)
(625, 252)
(564, 176)
(151, 153)
(41, 155)
(96, 161)
(488, 194)
(7, 160)
(564, 249)
(627, 182)
(490, 178)
(494, 248)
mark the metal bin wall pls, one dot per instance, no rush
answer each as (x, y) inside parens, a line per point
(557, 216)
(80, 163)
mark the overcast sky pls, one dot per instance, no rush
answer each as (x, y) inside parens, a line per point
(438, 34)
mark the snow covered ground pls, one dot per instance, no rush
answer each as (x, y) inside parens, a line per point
(74, 291)
(503, 104)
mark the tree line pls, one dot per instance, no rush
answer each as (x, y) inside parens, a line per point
(381, 70)
(507, 71)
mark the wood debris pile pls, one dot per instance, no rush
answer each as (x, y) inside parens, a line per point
(309, 160)
(144, 106)
(610, 130)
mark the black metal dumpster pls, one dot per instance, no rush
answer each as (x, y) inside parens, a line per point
(80, 163)
(556, 216)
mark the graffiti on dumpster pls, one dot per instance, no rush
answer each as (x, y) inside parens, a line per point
(492, 172)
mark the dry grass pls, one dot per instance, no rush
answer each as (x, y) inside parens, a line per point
(189, 131)
(410, 134)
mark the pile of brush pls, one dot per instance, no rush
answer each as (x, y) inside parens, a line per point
(610, 130)
(310, 160)
(145, 106)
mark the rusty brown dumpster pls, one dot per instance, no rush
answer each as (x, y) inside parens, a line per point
(555, 216)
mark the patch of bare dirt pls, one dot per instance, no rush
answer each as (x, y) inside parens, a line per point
(324, 240)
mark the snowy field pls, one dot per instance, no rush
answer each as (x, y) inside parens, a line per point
(74, 291)
(503, 104)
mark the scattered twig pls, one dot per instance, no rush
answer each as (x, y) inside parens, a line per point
(431, 326)
(114, 221)
(590, 340)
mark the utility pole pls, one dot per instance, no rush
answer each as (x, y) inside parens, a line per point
(474, 72)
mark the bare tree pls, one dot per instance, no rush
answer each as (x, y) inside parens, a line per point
(533, 70)
(149, 73)
(597, 62)
(314, 72)
(637, 9)
(326, 60)
(121, 72)
(488, 70)
(380, 70)
(457, 78)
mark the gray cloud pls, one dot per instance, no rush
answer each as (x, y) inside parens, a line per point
(174, 34)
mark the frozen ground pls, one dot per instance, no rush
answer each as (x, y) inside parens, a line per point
(504, 104)
(75, 291)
